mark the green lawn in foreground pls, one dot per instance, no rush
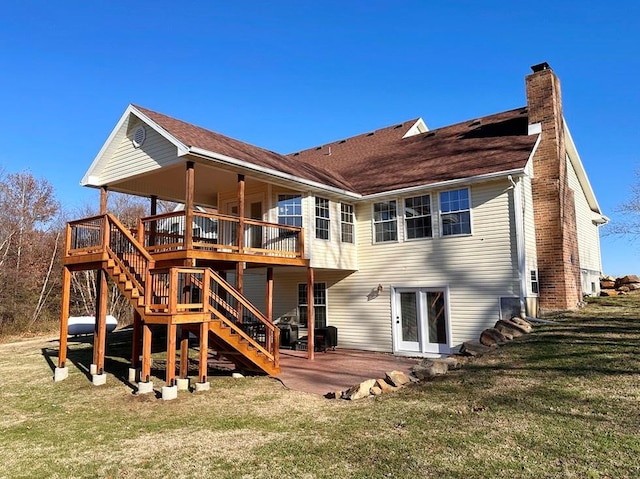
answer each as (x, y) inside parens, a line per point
(561, 402)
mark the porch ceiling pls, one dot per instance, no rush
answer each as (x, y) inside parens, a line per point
(169, 184)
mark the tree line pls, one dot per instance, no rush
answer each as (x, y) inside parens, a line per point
(32, 226)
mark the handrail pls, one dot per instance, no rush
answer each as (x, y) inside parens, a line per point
(130, 237)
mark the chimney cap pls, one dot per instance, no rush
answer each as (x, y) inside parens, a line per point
(540, 66)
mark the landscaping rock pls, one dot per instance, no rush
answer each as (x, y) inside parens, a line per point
(384, 386)
(375, 391)
(493, 337)
(397, 378)
(506, 326)
(474, 348)
(429, 370)
(455, 361)
(523, 324)
(631, 278)
(359, 391)
(608, 292)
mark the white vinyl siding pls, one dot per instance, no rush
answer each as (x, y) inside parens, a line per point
(127, 161)
(477, 269)
(588, 235)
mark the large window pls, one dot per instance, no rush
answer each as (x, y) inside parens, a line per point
(417, 213)
(290, 210)
(346, 223)
(385, 223)
(319, 304)
(455, 212)
(322, 218)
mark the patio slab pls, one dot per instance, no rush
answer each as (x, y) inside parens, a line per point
(337, 370)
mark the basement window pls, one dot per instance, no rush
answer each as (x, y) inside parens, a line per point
(535, 286)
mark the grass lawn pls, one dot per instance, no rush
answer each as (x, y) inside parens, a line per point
(561, 402)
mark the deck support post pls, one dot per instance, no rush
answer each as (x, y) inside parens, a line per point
(311, 315)
(184, 354)
(188, 205)
(145, 385)
(61, 371)
(241, 213)
(171, 354)
(100, 331)
(136, 340)
(204, 357)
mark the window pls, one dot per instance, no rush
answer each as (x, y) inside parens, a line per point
(455, 212)
(417, 213)
(322, 218)
(384, 221)
(319, 304)
(290, 210)
(535, 287)
(346, 223)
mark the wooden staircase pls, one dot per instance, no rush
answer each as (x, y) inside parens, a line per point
(236, 328)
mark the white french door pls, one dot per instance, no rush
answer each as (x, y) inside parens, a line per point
(420, 321)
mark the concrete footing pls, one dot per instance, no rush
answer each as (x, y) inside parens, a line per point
(93, 369)
(169, 393)
(134, 375)
(183, 384)
(60, 374)
(99, 379)
(203, 386)
(145, 388)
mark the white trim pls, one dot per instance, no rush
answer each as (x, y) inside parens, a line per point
(395, 289)
(520, 241)
(405, 235)
(534, 129)
(373, 223)
(440, 224)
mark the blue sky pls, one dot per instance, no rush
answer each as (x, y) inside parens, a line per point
(288, 75)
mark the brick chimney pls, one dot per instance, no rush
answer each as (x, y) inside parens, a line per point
(553, 200)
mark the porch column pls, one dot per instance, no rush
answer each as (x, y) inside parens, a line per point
(269, 300)
(61, 371)
(104, 195)
(188, 205)
(241, 213)
(269, 303)
(153, 225)
(100, 331)
(311, 316)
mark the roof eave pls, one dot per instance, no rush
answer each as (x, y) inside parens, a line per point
(447, 184)
(228, 160)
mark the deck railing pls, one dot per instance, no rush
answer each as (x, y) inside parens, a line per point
(200, 290)
(217, 232)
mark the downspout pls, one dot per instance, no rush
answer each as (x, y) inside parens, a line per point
(518, 213)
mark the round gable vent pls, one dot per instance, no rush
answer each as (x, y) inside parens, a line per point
(139, 136)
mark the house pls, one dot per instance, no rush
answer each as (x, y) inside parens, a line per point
(407, 240)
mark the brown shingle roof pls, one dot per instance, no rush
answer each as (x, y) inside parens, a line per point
(196, 136)
(384, 161)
